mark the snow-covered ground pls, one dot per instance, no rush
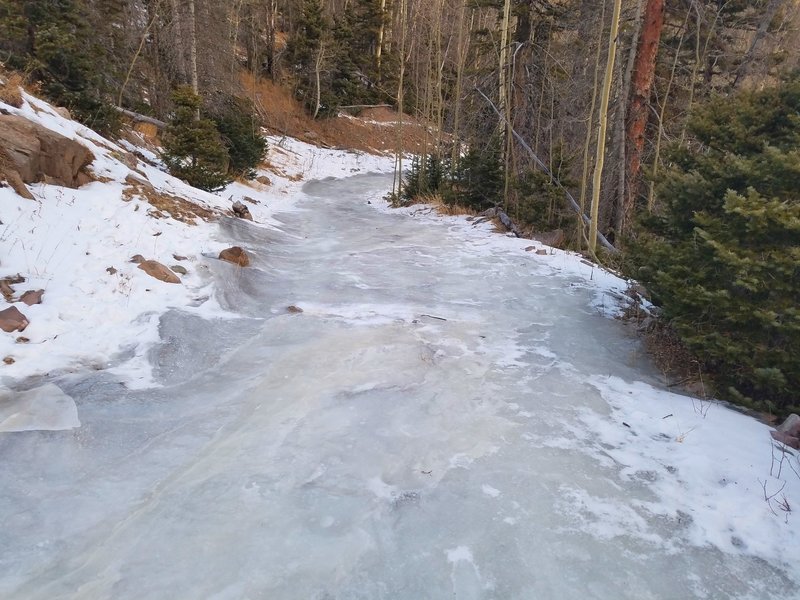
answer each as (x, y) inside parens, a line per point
(66, 241)
(451, 416)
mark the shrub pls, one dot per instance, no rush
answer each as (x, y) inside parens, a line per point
(193, 149)
(723, 258)
(241, 135)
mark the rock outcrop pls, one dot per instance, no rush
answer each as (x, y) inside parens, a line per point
(34, 153)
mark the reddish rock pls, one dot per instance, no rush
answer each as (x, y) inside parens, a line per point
(32, 297)
(38, 153)
(235, 255)
(15, 181)
(241, 211)
(13, 320)
(137, 258)
(158, 271)
(6, 290)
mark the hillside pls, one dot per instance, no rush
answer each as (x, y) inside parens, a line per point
(99, 310)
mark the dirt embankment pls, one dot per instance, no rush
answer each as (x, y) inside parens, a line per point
(374, 130)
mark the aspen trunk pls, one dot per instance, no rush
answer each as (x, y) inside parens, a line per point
(603, 126)
(193, 79)
(589, 123)
(503, 88)
(642, 86)
(379, 44)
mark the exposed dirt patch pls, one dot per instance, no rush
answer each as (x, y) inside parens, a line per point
(166, 205)
(374, 130)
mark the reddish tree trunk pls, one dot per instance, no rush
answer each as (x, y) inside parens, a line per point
(638, 113)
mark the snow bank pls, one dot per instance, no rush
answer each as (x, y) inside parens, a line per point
(99, 309)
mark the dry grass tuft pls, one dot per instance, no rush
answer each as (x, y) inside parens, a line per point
(442, 207)
(11, 89)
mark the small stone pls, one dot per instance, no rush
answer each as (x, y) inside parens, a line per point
(23, 340)
(530, 248)
(13, 320)
(241, 211)
(158, 271)
(9, 360)
(179, 257)
(294, 309)
(6, 290)
(264, 180)
(32, 297)
(137, 258)
(180, 270)
(235, 255)
(111, 271)
(541, 252)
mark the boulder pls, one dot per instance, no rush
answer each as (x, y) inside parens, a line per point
(788, 432)
(137, 258)
(241, 211)
(39, 154)
(179, 269)
(235, 255)
(32, 297)
(158, 271)
(264, 180)
(541, 252)
(13, 320)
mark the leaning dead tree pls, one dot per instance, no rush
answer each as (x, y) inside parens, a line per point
(599, 237)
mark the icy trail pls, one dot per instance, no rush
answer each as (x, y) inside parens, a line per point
(367, 449)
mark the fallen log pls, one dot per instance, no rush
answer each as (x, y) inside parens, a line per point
(498, 213)
(140, 118)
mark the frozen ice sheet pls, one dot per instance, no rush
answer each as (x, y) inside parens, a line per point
(448, 418)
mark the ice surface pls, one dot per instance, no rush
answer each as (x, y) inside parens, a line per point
(450, 417)
(45, 408)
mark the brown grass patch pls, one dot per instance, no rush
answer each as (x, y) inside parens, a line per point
(166, 205)
(442, 207)
(11, 90)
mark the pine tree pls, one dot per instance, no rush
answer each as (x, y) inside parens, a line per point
(724, 257)
(53, 42)
(193, 149)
